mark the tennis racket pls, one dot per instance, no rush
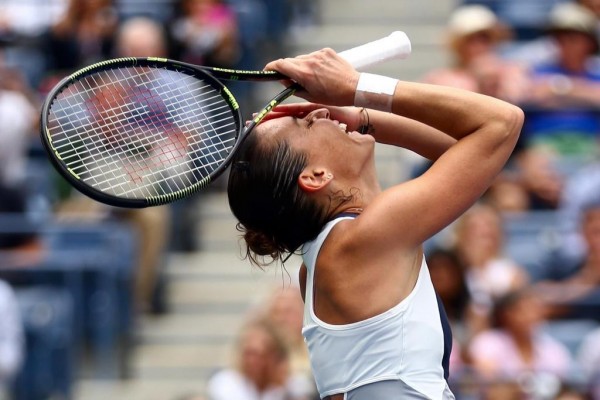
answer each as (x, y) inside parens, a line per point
(139, 132)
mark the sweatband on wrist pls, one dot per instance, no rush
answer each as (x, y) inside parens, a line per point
(375, 92)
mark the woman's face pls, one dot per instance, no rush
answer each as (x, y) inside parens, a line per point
(325, 142)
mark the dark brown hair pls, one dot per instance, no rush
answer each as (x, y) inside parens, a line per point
(275, 216)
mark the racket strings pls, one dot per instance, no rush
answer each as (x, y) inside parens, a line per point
(130, 124)
(69, 150)
(135, 170)
(139, 132)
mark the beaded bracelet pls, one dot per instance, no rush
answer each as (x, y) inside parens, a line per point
(365, 127)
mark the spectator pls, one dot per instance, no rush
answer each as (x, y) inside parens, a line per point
(564, 97)
(137, 37)
(501, 389)
(507, 194)
(579, 190)
(474, 35)
(12, 339)
(568, 392)
(448, 277)
(83, 36)
(286, 310)
(567, 288)
(161, 11)
(18, 115)
(22, 246)
(490, 274)
(23, 26)
(18, 118)
(534, 182)
(588, 357)
(539, 177)
(515, 349)
(207, 33)
(262, 367)
(144, 37)
(593, 6)
(141, 37)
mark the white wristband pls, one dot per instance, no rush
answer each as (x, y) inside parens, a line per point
(375, 92)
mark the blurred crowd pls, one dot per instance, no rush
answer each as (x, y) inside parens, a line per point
(519, 273)
(74, 273)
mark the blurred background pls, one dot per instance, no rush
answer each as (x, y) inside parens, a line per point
(157, 304)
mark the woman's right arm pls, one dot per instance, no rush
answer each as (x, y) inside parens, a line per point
(486, 130)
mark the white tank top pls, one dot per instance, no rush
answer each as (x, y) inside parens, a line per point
(409, 342)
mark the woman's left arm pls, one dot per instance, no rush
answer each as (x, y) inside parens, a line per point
(404, 132)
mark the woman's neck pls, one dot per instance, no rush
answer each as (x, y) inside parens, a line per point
(354, 196)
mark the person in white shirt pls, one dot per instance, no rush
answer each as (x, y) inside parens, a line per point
(262, 367)
(12, 340)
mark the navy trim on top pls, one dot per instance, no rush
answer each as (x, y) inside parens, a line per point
(447, 337)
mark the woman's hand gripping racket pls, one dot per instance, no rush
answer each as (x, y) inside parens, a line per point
(138, 132)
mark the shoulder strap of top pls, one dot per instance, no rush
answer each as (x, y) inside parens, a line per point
(310, 251)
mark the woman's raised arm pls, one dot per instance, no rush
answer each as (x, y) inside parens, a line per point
(485, 129)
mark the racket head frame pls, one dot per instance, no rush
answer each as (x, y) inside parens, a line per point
(206, 74)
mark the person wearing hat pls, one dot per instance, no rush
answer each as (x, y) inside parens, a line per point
(563, 107)
(473, 36)
(575, 30)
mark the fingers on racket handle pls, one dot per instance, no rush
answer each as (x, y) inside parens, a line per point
(396, 45)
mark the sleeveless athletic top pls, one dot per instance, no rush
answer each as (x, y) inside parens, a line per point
(410, 342)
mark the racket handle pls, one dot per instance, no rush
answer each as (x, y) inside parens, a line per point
(396, 45)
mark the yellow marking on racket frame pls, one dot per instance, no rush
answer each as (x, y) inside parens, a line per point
(57, 154)
(169, 197)
(232, 99)
(73, 173)
(157, 59)
(99, 64)
(265, 111)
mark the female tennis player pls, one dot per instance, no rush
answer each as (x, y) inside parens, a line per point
(306, 182)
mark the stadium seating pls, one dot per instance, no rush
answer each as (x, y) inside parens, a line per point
(94, 263)
(48, 370)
